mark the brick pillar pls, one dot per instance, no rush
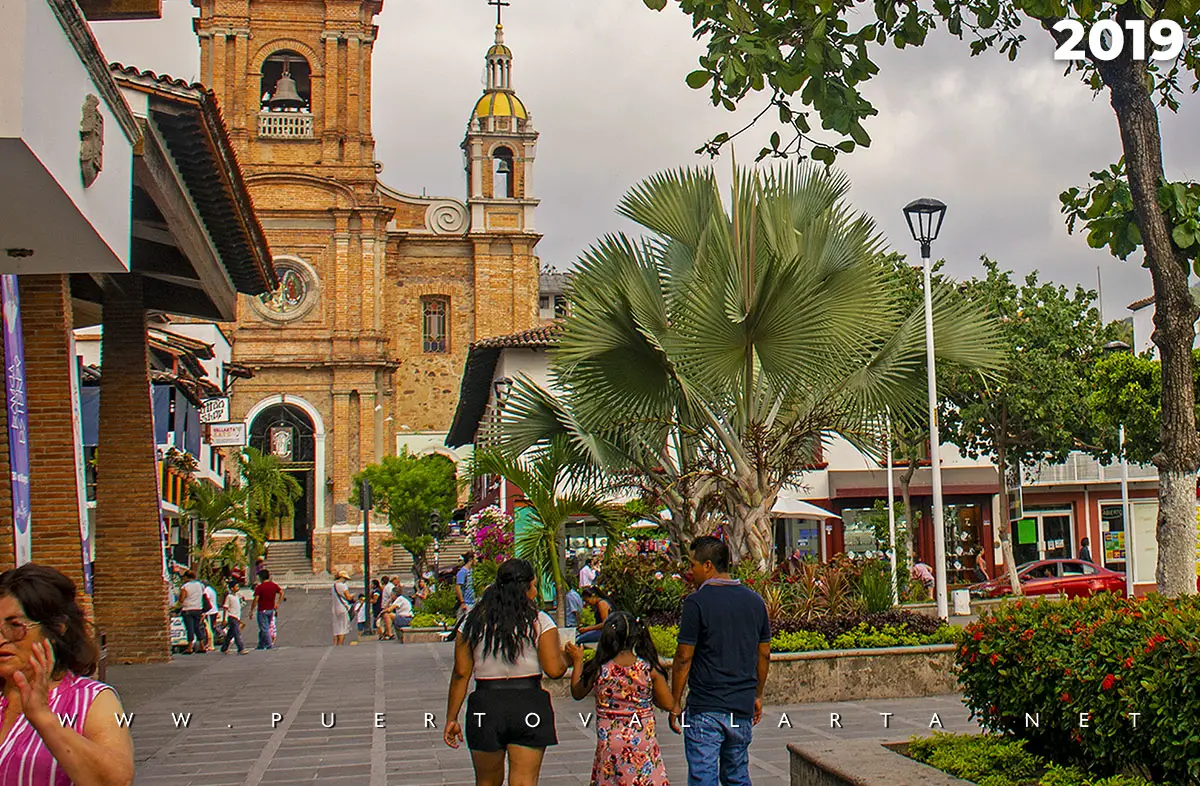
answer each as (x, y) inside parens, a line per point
(131, 596)
(54, 485)
(7, 549)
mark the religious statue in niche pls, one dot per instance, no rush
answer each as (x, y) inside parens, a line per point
(282, 441)
(91, 141)
(293, 296)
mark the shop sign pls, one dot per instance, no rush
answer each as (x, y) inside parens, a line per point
(227, 435)
(215, 410)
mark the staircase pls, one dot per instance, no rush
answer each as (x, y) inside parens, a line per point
(288, 556)
(450, 553)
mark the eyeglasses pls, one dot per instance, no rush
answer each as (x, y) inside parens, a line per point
(12, 632)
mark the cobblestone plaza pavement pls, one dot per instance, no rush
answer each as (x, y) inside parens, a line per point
(230, 738)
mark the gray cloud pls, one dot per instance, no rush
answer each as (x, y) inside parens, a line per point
(997, 141)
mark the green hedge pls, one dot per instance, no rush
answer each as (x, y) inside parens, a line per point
(424, 620)
(1106, 656)
(862, 637)
(443, 601)
(989, 760)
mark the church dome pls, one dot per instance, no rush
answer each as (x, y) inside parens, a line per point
(499, 50)
(500, 103)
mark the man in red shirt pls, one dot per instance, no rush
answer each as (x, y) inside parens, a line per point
(267, 596)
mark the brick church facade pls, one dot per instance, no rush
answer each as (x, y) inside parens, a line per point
(359, 353)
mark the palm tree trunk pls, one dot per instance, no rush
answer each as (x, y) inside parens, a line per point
(557, 560)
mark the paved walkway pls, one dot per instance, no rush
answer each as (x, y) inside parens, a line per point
(262, 718)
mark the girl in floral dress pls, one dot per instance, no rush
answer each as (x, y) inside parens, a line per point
(628, 680)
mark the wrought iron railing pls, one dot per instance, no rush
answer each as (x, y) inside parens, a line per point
(285, 125)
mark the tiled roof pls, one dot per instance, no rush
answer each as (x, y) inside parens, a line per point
(540, 336)
(199, 142)
(480, 368)
(1135, 305)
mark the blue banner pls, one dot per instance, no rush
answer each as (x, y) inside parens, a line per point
(18, 416)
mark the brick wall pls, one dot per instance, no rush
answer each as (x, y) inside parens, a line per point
(348, 557)
(131, 597)
(54, 501)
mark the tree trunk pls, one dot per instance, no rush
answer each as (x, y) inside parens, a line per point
(1006, 547)
(910, 522)
(558, 560)
(1174, 327)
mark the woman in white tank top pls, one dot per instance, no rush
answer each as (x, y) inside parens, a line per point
(507, 644)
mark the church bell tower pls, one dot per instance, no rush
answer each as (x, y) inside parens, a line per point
(499, 148)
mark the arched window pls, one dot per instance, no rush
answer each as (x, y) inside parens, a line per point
(286, 432)
(503, 178)
(435, 324)
(286, 83)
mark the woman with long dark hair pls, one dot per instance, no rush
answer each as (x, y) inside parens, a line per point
(57, 727)
(628, 679)
(507, 644)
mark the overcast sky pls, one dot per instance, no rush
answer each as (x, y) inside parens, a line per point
(997, 141)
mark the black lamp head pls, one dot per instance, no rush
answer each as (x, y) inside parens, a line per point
(924, 218)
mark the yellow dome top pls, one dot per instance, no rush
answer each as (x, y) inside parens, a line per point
(500, 104)
(499, 50)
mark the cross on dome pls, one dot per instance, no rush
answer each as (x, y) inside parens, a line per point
(500, 5)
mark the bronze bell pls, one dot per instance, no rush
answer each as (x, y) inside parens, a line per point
(285, 96)
(505, 167)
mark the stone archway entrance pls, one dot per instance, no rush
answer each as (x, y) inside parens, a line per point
(287, 432)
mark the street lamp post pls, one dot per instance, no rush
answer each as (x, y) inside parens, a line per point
(924, 218)
(1126, 518)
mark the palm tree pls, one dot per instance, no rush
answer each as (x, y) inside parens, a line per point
(760, 330)
(543, 480)
(220, 509)
(270, 493)
(662, 466)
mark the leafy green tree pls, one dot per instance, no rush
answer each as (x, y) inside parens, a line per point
(408, 489)
(1126, 390)
(813, 57)
(764, 328)
(543, 481)
(1035, 411)
(270, 493)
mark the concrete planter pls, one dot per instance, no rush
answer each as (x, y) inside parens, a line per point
(848, 675)
(422, 635)
(860, 763)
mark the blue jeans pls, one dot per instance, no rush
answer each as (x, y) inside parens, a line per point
(591, 637)
(264, 629)
(195, 631)
(717, 752)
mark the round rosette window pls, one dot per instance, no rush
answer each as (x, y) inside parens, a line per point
(296, 294)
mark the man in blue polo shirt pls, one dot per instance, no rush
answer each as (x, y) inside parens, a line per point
(723, 656)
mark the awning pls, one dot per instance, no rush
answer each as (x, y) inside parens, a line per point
(798, 508)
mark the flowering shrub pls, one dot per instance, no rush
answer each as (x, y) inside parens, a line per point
(431, 621)
(630, 583)
(491, 534)
(1106, 657)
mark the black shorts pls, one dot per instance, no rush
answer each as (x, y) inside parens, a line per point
(514, 712)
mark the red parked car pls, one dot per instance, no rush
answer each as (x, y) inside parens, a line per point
(1070, 577)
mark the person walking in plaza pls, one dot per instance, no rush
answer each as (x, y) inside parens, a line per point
(58, 726)
(574, 606)
(376, 598)
(343, 608)
(507, 644)
(628, 680)
(232, 607)
(1085, 552)
(267, 597)
(587, 574)
(191, 606)
(590, 634)
(464, 585)
(723, 657)
(212, 609)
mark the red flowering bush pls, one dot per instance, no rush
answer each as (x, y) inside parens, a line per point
(1106, 657)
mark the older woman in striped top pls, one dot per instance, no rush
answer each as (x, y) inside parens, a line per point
(57, 727)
